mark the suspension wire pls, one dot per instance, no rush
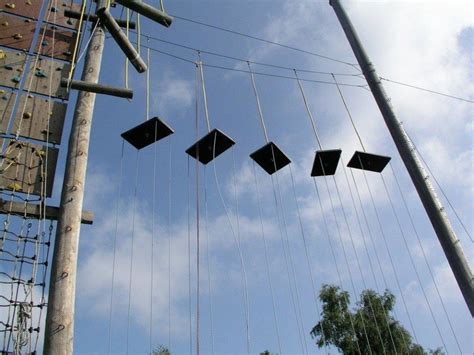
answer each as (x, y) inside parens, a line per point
(237, 59)
(186, 60)
(239, 248)
(313, 288)
(189, 263)
(440, 188)
(293, 301)
(169, 241)
(379, 223)
(129, 307)
(203, 87)
(362, 274)
(208, 257)
(290, 257)
(427, 90)
(267, 264)
(338, 227)
(386, 317)
(410, 217)
(263, 40)
(112, 289)
(153, 210)
(310, 115)
(260, 114)
(348, 112)
(326, 227)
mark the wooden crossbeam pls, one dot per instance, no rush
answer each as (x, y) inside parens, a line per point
(34, 210)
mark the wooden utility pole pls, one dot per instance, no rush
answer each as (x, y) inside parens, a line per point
(59, 333)
(450, 243)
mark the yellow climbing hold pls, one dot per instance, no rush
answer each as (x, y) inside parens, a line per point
(17, 36)
(27, 115)
(2, 54)
(14, 186)
(28, 2)
(5, 23)
(40, 153)
(10, 5)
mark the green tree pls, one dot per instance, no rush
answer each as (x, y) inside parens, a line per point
(161, 350)
(371, 322)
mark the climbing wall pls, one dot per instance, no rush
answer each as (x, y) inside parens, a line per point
(36, 46)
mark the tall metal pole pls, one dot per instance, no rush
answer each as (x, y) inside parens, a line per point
(451, 245)
(59, 333)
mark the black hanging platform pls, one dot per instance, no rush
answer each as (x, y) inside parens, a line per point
(325, 162)
(368, 161)
(203, 149)
(270, 158)
(147, 133)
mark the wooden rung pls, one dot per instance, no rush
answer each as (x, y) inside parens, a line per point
(33, 210)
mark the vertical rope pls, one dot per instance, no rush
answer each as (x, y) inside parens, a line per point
(287, 268)
(198, 266)
(117, 208)
(275, 319)
(310, 115)
(260, 114)
(204, 93)
(387, 323)
(127, 32)
(407, 247)
(153, 237)
(313, 287)
(390, 255)
(148, 82)
(169, 245)
(326, 227)
(189, 264)
(208, 257)
(131, 252)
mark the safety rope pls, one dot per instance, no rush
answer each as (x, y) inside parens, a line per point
(267, 264)
(76, 45)
(114, 253)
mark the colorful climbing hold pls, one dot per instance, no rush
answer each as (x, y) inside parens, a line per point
(8, 67)
(16, 79)
(10, 5)
(14, 186)
(17, 36)
(40, 74)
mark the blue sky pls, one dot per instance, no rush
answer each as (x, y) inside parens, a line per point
(424, 43)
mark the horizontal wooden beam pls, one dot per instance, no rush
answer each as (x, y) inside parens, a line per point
(97, 88)
(93, 18)
(33, 210)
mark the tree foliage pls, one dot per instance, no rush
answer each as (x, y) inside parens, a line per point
(161, 350)
(369, 328)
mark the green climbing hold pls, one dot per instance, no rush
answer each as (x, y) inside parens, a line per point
(16, 79)
(8, 67)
